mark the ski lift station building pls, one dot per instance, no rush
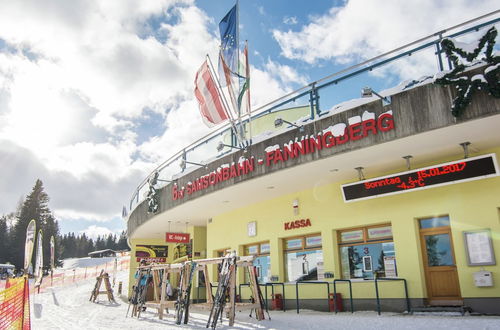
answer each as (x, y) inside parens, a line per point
(377, 192)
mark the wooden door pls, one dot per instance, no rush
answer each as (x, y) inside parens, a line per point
(441, 275)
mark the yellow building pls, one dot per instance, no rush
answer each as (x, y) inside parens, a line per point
(336, 199)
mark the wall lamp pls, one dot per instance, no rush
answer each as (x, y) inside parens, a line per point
(368, 92)
(221, 146)
(465, 146)
(279, 122)
(154, 178)
(361, 176)
(183, 163)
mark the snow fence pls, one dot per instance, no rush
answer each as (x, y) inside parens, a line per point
(15, 305)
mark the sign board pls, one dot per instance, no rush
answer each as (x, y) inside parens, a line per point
(448, 173)
(177, 238)
(479, 247)
(151, 253)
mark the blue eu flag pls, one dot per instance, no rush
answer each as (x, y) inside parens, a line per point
(229, 42)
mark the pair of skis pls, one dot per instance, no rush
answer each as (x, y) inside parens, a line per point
(227, 270)
(184, 295)
(138, 298)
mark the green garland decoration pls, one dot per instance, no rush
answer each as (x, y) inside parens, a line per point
(152, 198)
(466, 86)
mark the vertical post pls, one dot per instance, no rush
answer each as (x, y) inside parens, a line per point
(311, 103)
(438, 53)
(297, 296)
(378, 298)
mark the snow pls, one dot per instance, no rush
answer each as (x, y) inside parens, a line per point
(85, 262)
(68, 307)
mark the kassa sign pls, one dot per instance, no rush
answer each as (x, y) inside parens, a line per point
(177, 238)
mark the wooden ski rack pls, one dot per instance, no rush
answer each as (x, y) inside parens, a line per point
(161, 272)
(103, 277)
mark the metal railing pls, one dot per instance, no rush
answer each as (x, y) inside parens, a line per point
(297, 299)
(350, 293)
(408, 306)
(204, 148)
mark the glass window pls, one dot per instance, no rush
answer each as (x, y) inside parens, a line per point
(265, 248)
(379, 232)
(304, 265)
(304, 258)
(351, 236)
(443, 221)
(313, 241)
(262, 262)
(294, 243)
(439, 250)
(369, 259)
(252, 249)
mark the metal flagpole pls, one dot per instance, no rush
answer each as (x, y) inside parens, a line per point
(223, 98)
(247, 74)
(238, 67)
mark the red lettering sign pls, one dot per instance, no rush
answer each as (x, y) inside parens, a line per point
(177, 238)
(152, 259)
(297, 224)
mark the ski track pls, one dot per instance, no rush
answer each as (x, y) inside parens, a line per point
(68, 307)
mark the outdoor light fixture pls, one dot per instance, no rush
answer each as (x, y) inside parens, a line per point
(368, 92)
(465, 146)
(279, 122)
(221, 146)
(360, 169)
(183, 163)
(408, 166)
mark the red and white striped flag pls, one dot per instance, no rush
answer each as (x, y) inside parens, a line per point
(211, 107)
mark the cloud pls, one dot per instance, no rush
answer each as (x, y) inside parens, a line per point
(94, 231)
(95, 94)
(290, 20)
(363, 29)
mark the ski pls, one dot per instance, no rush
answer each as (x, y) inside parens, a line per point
(187, 294)
(178, 303)
(228, 267)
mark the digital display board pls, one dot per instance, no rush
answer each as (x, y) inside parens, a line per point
(453, 172)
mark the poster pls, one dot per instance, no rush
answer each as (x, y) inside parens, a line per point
(390, 266)
(479, 248)
(151, 253)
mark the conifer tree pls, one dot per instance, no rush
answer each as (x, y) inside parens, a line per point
(36, 207)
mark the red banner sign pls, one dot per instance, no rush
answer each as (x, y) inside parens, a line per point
(177, 238)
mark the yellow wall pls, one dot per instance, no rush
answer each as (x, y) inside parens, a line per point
(470, 205)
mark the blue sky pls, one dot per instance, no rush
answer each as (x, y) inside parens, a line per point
(94, 95)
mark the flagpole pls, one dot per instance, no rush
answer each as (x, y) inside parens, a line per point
(247, 73)
(238, 54)
(223, 98)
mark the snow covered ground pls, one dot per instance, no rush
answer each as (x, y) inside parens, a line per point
(68, 307)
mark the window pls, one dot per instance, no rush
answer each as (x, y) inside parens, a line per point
(262, 261)
(304, 258)
(367, 252)
(443, 221)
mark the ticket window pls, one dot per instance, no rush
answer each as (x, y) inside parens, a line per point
(367, 253)
(262, 261)
(304, 258)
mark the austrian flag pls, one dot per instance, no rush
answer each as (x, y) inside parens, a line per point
(211, 107)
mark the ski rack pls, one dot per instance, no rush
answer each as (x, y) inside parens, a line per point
(161, 272)
(102, 278)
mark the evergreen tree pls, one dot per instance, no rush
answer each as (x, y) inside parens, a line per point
(122, 242)
(35, 206)
(4, 241)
